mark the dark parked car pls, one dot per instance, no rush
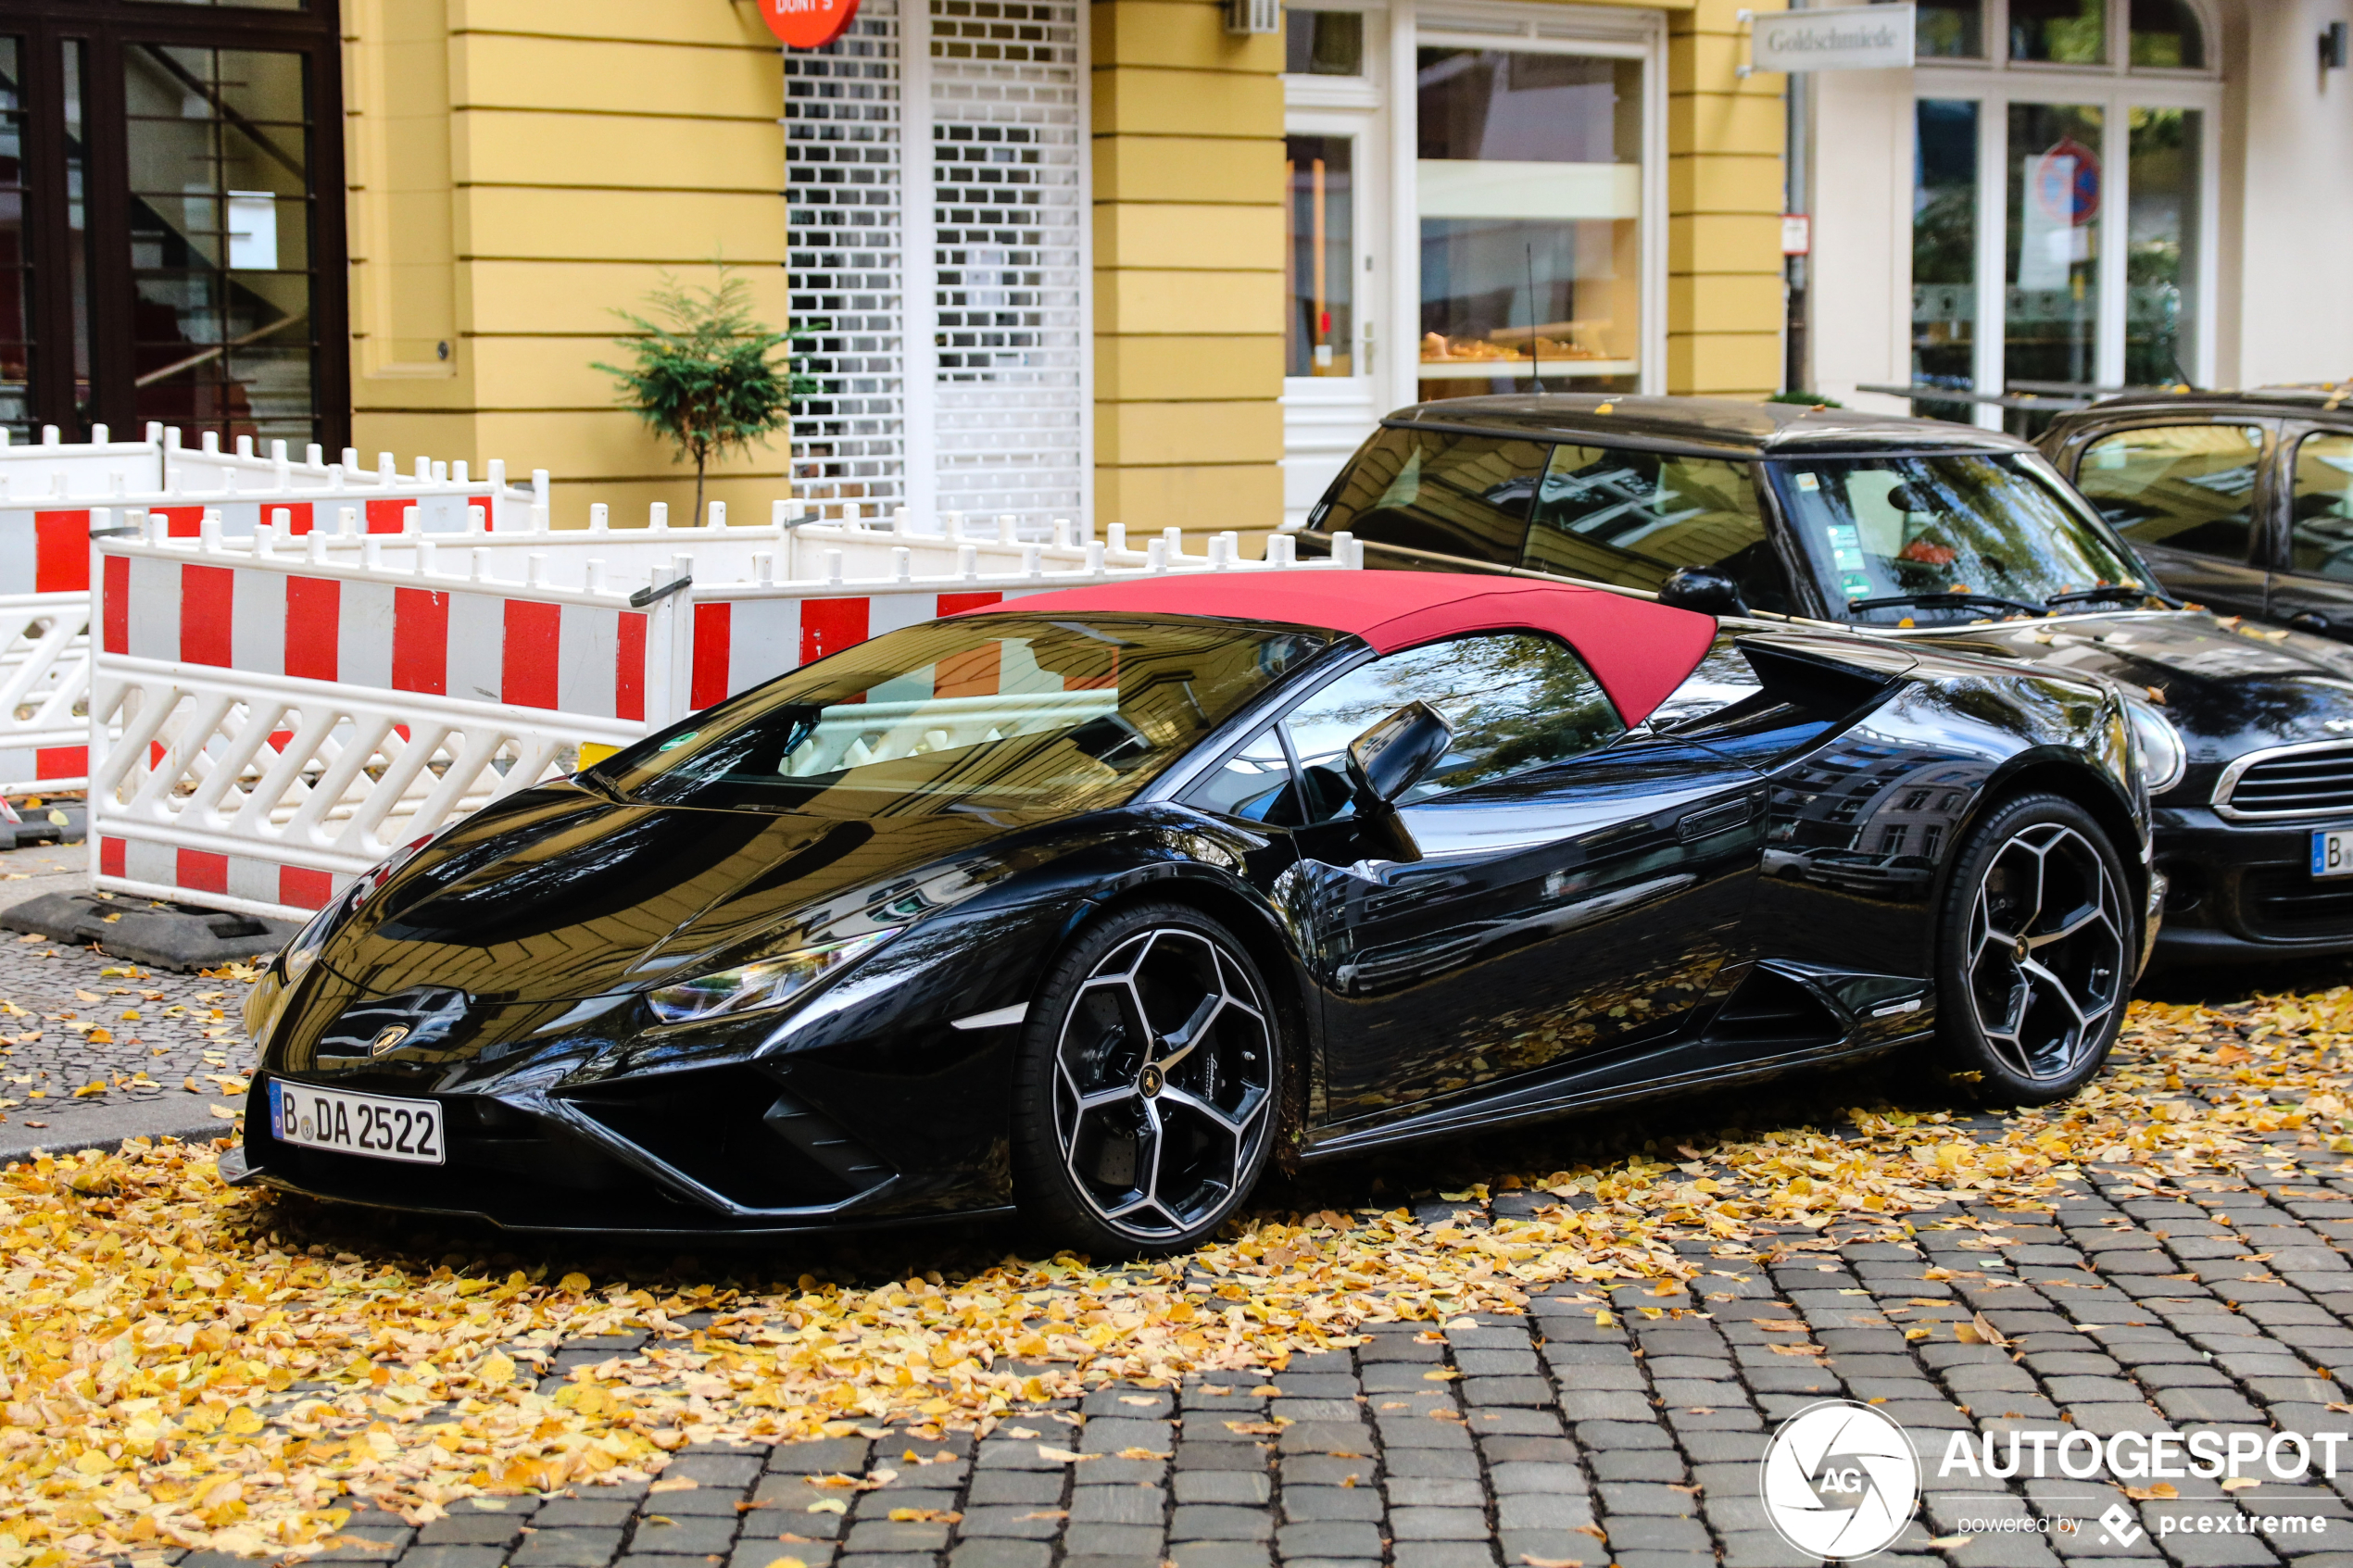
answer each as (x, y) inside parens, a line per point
(1094, 904)
(1923, 535)
(2242, 501)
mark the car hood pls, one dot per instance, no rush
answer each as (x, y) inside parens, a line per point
(558, 894)
(2230, 686)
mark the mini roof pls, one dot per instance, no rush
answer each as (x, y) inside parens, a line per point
(1722, 426)
(1638, 649)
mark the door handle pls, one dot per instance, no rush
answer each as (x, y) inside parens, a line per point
(2309, 621)
(1709, 820)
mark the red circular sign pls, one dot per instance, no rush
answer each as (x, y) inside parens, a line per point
(808, 24)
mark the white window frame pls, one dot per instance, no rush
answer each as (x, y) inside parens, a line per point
(1994, 85)
(1594, 32)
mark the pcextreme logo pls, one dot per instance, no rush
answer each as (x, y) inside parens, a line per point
(1840, 1480)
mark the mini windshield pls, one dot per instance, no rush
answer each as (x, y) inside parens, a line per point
(991, 710)
(1973, 534)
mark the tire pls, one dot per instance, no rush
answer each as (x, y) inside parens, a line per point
(1148, 1089)
(2033, 954)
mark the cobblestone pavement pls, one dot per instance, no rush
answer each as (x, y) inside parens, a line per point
(94, 1048)
(1621, 1427)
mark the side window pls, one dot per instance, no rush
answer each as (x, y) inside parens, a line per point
(2185, 487)
(1250, 783)
(2321, 524)
(1628, 519)
(1517, 699)
(1426, 490)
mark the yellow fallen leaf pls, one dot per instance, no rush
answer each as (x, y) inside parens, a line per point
(2161, 1492)
(668, 1483)
(1063, 1456)
(497, 1369)
(829, 1505)
(2240, 1483)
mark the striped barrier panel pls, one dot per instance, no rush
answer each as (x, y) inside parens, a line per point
(263, 727)
(263, 730)
(106, 470)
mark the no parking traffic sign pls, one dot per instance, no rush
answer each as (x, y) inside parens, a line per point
(808, 24)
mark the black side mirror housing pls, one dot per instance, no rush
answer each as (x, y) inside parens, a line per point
(1702, 588)
(1390, 758)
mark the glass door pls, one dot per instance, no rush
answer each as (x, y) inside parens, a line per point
(170, 249)
(2062, 205)
(2051, 272)
(1335, 160)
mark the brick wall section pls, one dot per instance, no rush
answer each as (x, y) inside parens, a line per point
(576, 151)
(1187, 127)
(1724, 146)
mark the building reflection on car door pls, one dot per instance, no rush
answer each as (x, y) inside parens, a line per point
(1576, 887)
(2315, 592)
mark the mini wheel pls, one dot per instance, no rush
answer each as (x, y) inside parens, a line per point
(1145, 1100)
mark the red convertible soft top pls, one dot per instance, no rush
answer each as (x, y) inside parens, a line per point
(1640, 651)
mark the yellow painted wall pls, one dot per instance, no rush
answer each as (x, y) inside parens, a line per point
(1189, 268)
(1724, 186)
(519, 169)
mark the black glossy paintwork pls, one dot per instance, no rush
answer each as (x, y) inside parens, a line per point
(2229, 689)
(1707, 898)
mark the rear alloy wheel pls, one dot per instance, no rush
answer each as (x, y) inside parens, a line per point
(2035, 961)
(1146, 1100)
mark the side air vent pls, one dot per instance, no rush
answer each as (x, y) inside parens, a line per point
(1771, 1009)
(1814, 681)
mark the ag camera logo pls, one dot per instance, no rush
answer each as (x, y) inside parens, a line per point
(1840, 1480)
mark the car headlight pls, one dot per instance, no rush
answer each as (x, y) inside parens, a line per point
(767, 983)
(2164, 757)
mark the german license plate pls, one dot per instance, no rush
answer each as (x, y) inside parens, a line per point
(375, 1125)
(2333, 852)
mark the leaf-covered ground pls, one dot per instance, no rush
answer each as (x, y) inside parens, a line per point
(183, 1364)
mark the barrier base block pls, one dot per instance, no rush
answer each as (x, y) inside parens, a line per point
(176, 937)
(44, 824)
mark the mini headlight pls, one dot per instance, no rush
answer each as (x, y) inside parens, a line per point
(2164, 757)
(767, 983)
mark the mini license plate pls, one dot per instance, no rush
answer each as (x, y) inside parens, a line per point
(408, 1130)
(2331, 852)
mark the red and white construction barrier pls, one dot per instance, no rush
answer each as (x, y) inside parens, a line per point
(269, 718)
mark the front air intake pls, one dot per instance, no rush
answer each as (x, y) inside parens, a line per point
(732, 1130)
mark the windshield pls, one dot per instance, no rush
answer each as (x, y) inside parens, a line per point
(992, 711)
(1987, 524)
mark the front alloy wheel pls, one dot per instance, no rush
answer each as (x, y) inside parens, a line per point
(1155, 1072)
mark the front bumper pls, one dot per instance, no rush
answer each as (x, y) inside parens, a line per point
(2243, 890)
(714, 1151)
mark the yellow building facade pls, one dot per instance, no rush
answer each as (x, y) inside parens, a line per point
(1126, 261)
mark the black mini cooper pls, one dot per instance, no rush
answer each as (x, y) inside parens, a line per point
(2242, 501)
(1906, 529)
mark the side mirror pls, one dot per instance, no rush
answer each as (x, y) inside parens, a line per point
(1390, 758)
(1702, 588)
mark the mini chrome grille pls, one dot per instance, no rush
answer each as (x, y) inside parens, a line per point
(2304, 781)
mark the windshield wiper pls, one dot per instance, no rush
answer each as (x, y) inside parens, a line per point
(1946, 601)
(2116, 591)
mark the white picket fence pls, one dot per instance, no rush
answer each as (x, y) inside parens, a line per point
(270, 716)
